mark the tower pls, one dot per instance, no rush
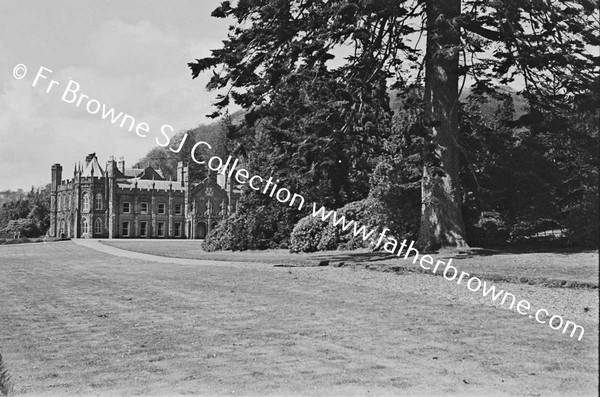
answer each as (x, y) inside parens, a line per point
(183, 180)
(111, 197)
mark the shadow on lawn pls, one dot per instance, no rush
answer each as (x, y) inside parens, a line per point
(379, 256)
(532, 248)
(355, 256)
(5, 382)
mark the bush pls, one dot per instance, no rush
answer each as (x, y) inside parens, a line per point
(25, 226)
(220, 238)
(312, 234)
(307, 235)
(18, 241)
(330, 238)
(261, 227)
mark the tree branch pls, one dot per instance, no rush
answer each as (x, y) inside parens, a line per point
(476, 28)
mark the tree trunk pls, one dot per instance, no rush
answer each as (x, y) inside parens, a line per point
(441, 219)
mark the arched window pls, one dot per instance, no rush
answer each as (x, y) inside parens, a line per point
(98, 226)
(98, 202)
(84, 226)
(86, 202)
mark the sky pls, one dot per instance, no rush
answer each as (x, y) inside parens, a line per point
(128, 55)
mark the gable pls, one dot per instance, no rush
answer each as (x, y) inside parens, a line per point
(150, 173)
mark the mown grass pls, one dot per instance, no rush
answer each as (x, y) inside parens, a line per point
(78, 322)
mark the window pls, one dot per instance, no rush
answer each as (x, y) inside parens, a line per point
(125, 229)
(143, 229)
(178, 229)
(177, 209)
(98, 226)
(161, 229)
(84, 226)
(144, 208)
(126, 208)
(98, 202)
(161, 208)
(86, 202)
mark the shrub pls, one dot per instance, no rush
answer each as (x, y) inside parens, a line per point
(307, 235)
(312, 234)
(370, 213)
(25, 226)
(220, 238)
(330, 238)
(261, 227)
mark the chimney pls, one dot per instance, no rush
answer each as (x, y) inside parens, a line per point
(110, 168)
(180, 174)
(121, 165)
(89, 158)
(56, 176)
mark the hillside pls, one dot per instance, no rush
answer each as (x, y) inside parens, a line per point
(166, 160)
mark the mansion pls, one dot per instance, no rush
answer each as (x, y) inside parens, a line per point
(119, 202)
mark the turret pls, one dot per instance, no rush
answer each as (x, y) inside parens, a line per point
(56, 178)
(111, 187)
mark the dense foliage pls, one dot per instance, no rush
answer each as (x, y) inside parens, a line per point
(257, 224)
(312, 234)
(28, 215)
(520, 179)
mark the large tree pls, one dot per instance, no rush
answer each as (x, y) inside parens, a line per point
(545, 44)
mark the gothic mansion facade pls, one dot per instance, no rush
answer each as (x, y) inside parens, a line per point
(120, 202)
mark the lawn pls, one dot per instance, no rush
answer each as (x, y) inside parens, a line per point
(560, 268)
(78, 322)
